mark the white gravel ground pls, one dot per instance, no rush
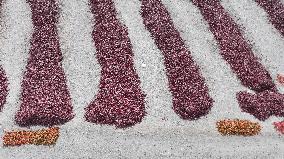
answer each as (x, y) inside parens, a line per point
(162, 134)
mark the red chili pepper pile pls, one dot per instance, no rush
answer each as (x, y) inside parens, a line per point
(3, 88)
(279, 126)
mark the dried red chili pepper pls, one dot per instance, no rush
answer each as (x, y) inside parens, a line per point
(279, 126)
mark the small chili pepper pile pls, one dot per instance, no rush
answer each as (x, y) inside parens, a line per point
(279, 126)
(238, 127)
(280, 79)
(40, 137)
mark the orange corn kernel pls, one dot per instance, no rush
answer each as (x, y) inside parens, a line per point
(238, 127)
(40, 137)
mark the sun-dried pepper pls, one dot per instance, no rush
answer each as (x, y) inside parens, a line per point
(280, 79)
(279, 126)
